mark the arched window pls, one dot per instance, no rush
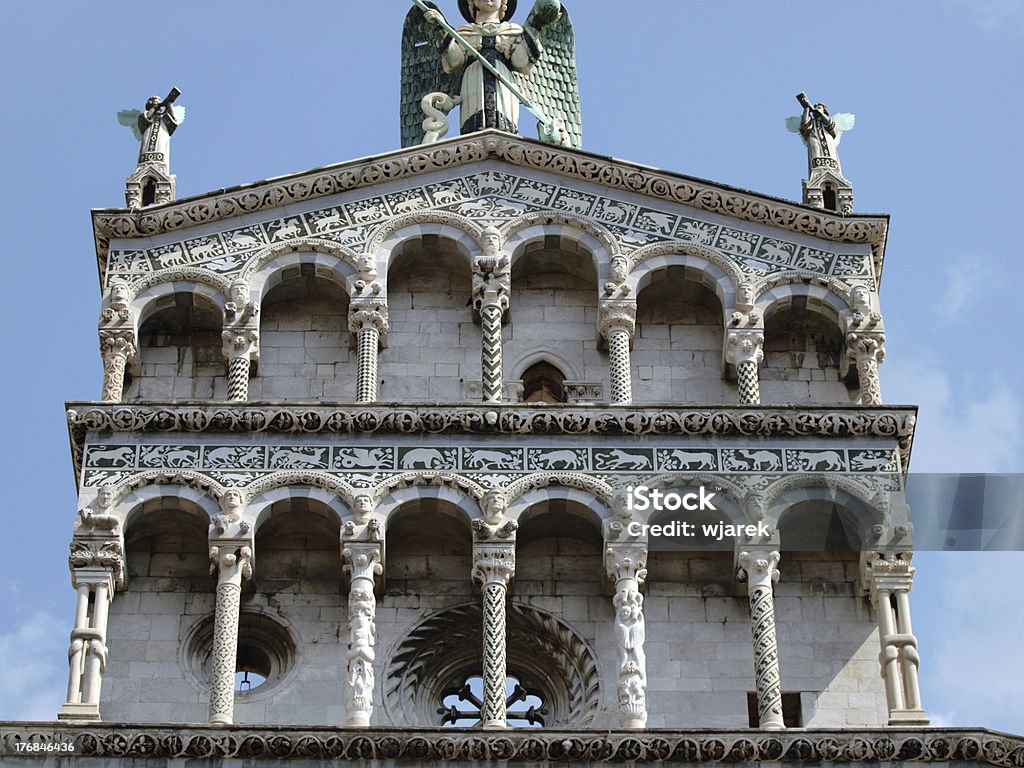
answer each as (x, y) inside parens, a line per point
(543, 383)
(461, 705)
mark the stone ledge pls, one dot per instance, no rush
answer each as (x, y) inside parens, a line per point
(295, 743)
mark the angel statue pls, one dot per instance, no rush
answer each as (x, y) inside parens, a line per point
(489, 67)
(154, 126)
(821, 133)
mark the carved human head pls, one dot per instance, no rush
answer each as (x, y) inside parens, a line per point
(239, 292)
(505, 8)
(491, 238)
(861, 296)
(119, 294)
(495, 506)
(362, 508)
(105, 498)
(153, 102)
(232, 502)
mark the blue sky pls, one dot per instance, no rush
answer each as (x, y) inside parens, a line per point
(699, 88)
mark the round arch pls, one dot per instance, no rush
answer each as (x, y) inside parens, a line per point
(544, 354)
(386, 241)
(594, 490)
(732, 493)
(717, 271)
(330, 261)
(130, 498)
(596, 512)
(529, 229)
(143, 304)
(462, 501)
(260, 507)
(826, 300)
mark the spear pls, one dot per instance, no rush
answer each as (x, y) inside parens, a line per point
(532, 108)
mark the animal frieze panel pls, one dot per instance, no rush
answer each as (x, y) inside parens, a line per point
(689, 460)
(493, 459)
(697, 232)
(491, 183)
(534, 192)
(752, 460)
(299, 457)
(737, 241)
(288, 228)
(235, 456)
(815, 461)
(428, 458)
(616, 459)
(862, 460)
(328, 220)
(112, 456)
(380, 458)
(408, 201)
(176, 456)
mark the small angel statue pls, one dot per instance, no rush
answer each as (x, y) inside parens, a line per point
(154, 126)
(821, 133)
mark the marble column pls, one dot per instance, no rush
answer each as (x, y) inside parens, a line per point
(745, 350)
(493, 567)
(759, 570)
(626, 567)
(368, 319)
(362, 564)
(867, 351)
(241, 346)
(232, 561)
(491, 288)
(117, 348)
(617, 325)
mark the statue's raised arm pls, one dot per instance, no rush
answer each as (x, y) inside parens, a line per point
(821, 133)
(534, 63)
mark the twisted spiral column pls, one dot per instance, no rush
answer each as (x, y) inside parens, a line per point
(490, 362)
(232, 563)
(116, 347)
(493, 567)
(759, 569)
(617, 324)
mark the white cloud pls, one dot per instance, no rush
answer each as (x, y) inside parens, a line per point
(966, 280)
(977, 431)
(32, 677)
(994, 15)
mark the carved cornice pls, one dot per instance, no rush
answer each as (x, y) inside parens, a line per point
(517, 151)
(895, 422)
(284, 743)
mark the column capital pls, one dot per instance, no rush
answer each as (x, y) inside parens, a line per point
(362, 559)
(626, 562)
(889, 571)
(369, 312)
(744, 346)
(865, 345)
(492, 282)
(493, 564)
(617, 315)
(231, 559)
(241, 342)
(96, 560)
(117, 341)
(758, 568)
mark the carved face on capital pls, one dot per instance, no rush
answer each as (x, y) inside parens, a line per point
(105, 499)
(495, 506)
(363, 507)
(239, 293)
(620, 268)
(745, 295)
(232, 502)
(119, 294)
(861, 296)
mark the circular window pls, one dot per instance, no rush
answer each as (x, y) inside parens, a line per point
(551, 670)
(266, 653)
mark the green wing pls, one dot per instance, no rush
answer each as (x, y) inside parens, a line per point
(421, 74)
(552, 82)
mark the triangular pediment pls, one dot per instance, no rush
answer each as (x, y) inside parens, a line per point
(485, 178)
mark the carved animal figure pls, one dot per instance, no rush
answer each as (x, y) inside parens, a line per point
(474, 206)
(632, 237)
(490, 183)
(239, 241)
(621, 460)
(775, 251)
(447, 195)
(559, 460)
(112, 456)
(362, 458)
(171, 258)
(613, 212)
(229, 456)
(876, 463)
(690, 231)
(490, 460)
(290, 228)
(204, 249)
(180, 457)
(532, 195)
(737, 244)
(424, 458)
(818, 460)
(296, 459)
(331, 221)
(810, 261)
(368, 214)
(748, 460)
(662, 221)
(694, 460)
(408, 206)
(223, 264)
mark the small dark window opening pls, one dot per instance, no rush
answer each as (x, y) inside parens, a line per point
(252, 668)
(829, 197)
(461, 706)
(543, 383)
(149, 192)
(792, 713)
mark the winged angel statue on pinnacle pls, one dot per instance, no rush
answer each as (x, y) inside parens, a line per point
(489, 67)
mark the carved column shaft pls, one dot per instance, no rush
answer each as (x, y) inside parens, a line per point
(490, 360)
(626, 567)
(240, 346)
(888, 657)
(909, 658)
(233, 562)
(76, 653)
(238, 379)
(117, 348)
(362, 563)
(493, 568)
(867, 351)
(745, 350)
(96, 655)
(759, 568)
(617, 325)
(368, 320)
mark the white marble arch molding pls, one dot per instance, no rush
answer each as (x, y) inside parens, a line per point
(143, 304)
(729, 496)
(457, 503)
(718, 271)
(587, 507)
(518, 234)
(331, 262)
(259, 508)
(544, 354)
(138, 490)
(856, 501)
(825, 300)
(389, 238)
(596, 493)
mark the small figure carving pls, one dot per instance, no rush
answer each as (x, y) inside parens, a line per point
(495, 504)
(240, 308)
(232, 503)
(154, 126)
(362, 508)
(821, 133)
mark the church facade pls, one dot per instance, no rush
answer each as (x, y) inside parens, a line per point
(373, 471)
